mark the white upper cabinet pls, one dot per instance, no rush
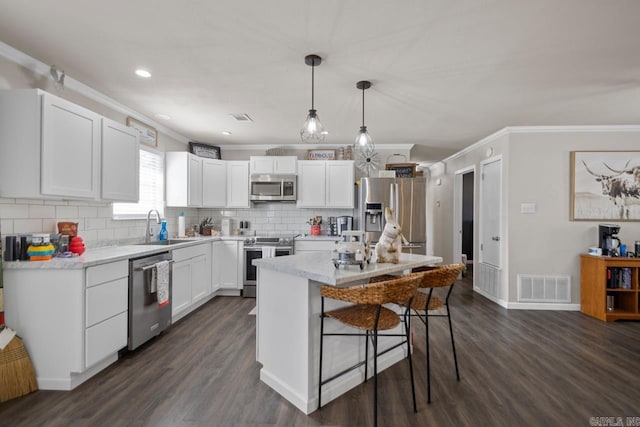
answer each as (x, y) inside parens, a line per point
(237, 184)
(214, 183)
(184, 179)
(194, 188)
(49, 147)
(311, 184)
(54, 149)
(280, 165)
(199, 182)
(120, 162)
(70, 149)
(325, 184)
(339, 182)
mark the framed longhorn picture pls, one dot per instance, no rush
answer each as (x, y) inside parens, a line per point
(605, 185)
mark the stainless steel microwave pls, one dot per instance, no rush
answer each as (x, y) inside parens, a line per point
(273, 188)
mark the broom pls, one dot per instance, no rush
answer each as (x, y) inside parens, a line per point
(17, 377)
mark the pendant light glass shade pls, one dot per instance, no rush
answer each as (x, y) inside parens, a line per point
(363, 139)
(312, 131)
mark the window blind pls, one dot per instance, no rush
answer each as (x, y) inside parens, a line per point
(151, 188)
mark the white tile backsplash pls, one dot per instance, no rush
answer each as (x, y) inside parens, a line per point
(98, 228)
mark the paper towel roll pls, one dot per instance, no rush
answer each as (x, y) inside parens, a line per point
(181, 232)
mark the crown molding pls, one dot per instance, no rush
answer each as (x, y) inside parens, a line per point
(542, 129)
(38, 67)
(247, 147)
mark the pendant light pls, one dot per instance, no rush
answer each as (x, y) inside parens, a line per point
(312, 131)
(363, 140)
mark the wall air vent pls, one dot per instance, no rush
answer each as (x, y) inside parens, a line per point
(241, 117)
(539, 288)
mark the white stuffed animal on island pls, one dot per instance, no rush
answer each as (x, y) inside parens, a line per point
(389, 246)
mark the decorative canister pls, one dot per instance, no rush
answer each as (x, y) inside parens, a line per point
(315, 230)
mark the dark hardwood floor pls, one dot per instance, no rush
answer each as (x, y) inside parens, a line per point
(518, 368)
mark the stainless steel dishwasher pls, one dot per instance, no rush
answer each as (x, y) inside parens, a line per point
(146, 318)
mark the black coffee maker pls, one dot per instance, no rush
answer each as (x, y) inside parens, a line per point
(607, 239)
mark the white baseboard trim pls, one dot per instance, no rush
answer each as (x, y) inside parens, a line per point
(528, 305)
(75, 379)
(543, 306)
(490, 297)
(333, 389)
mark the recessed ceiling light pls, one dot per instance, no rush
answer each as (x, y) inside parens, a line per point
(143, 73)
(226, 132)
(163, 117)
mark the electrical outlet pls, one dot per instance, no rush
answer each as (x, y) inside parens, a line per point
(527, 208)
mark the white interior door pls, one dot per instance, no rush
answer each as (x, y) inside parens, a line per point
(490, 212)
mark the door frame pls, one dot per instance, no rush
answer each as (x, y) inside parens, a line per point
(481, 230)
(457, 209)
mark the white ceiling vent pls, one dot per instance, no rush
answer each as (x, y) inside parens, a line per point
(241, 117)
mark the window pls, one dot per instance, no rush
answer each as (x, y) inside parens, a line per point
(151, 188)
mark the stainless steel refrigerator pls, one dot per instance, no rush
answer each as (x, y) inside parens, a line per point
(407, 197)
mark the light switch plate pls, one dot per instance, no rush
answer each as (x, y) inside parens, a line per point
(527, 208)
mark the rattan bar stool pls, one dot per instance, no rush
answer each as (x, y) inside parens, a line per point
(443, 276)
(433, 277)
(368, 314)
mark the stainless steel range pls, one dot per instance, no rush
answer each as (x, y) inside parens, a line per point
(255, 248)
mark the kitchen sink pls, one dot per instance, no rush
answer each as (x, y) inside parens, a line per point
(165, 242)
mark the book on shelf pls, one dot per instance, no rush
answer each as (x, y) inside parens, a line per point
(618, 278)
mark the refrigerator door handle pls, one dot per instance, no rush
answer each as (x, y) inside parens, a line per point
(392, 197)
(396, 203)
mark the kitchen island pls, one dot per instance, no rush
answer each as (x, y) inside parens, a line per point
(288, 325)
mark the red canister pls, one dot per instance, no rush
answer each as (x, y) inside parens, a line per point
(77, 245)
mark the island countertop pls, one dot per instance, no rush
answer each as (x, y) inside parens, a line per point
(318, 266)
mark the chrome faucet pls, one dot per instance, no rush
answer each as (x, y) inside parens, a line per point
(147, 237)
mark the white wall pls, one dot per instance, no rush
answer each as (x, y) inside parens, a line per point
(536, 169)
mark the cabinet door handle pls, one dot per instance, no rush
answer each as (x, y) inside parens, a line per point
(496, 238)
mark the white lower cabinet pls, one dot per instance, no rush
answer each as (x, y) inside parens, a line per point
(217, 250)
(231, 264)
(106, 306)
(72, 321)
(191, 279)
(181, 281)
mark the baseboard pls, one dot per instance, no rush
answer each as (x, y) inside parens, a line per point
(335, 388)
(542, 306)
(490, 297)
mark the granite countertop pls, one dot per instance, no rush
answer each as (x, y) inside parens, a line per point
(318, 266)
(107, 254)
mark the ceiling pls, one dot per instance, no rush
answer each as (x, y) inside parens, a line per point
(445, 73)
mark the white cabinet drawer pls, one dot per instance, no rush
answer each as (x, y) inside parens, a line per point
(105, 338)
(107, 272)
(106, 300)
(190, 252)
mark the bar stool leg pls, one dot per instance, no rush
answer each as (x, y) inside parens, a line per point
(375, 368)
(453, 344)
(366, 354)
(426, 326)
(375, 377)
(321, 339)
(407, 326)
